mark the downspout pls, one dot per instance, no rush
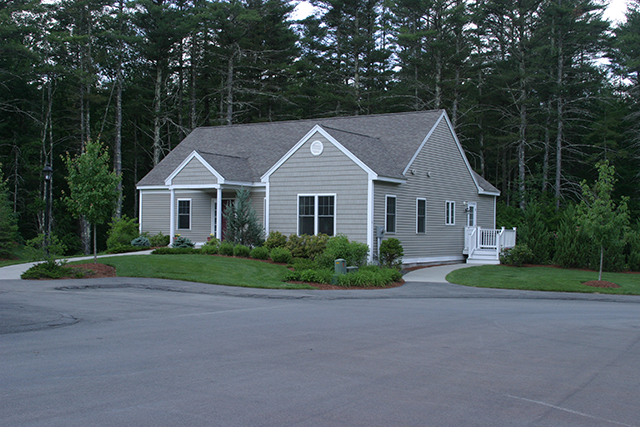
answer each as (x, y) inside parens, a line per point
(219, 213)
(370, 212)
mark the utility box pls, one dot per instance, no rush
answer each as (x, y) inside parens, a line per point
(379, 232)
(352, 270)
(341, 266)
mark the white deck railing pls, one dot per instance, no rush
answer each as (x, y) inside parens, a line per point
(487, 238)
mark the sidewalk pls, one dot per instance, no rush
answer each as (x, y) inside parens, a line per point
(13, 272)
(436, 274)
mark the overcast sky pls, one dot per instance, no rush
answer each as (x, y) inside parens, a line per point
(614, 13)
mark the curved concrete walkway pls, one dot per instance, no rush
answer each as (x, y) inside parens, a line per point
(13, 272)
(435, 274)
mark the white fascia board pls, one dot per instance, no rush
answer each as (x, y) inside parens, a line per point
(194, 186)
(242, 184)
(391, 180)
(152, 187)
(185, 162)
(424, 141)
(318, 129)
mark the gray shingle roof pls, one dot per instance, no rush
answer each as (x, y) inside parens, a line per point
(384, 142)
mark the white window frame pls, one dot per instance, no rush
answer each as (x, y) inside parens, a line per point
(386, 214)
(178, 214)
(418, 200)
(315, 211)
(473, 205)
(450, 212)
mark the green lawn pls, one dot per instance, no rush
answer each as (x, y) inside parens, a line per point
(543, 279)
(205, 269)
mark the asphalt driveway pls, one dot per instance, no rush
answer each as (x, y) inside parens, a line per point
(142, 352)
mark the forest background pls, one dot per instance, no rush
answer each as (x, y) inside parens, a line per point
(538, 91)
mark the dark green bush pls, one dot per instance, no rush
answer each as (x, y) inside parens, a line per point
(209, 249)
(316, 276)
(633, 250)
(304, 264)
(297, 245)
(226, 248)
(34, 249)
(52, 269)
(281, 255)
(122, 231)
(517, 255)
(212, 241)
(159, 240)
(316, 245)
(275, 240)
(260, 252)
(292, 276)
(127, 248)
(391, 253)
(365, 278)
(141, 241)
(241, 251)
(339, 247)
(535, 234)
(176, 251)
(182, 242)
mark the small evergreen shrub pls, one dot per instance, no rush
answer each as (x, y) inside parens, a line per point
(292, 276)
(159, 240)
(316, 276)
(391, 253)
(210, 249)
(141, 241)
(517, 255)
(182, 242)
(176, 251)
(242, 225)
(226, 248)
(300, 264)
(260, 252)
(281, 255)
(241, 251)
(275, 240)
(212, 241)
(52, 269)
(122, 231)
(127, 248)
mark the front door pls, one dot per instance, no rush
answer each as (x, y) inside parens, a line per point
(471, 214)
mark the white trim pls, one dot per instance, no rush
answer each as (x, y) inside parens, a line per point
(395, 214)
(195, 186)
(392, 180)
(185, 162)
(315, 211)
(219, 215)
(494, 212)
(370, 217)
(172, 219)
(418, 199)
(267, 208)
(446, 212)
(151, 187)
(305, 139)
(178, 213)
(140, 213)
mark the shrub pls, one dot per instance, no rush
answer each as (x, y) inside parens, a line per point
(353, 253)
(52, 269)
(241, 251)
(300, 264)
(573, 246)
(226, 248)
(316, 276)
(391, 253)
(210, 249)
(292, 276)
(633, 251)
(34, 248)
(260, 252)
(122, 231)
(141, 241)
(176, 251)
(517, 255)
(182, 242)
(127, 248)
(242, 226)
(370, 276)
(275, 240)
(535, 234)
(212, 241)
(159, 240)
(316, 245)
(297, 245)
(281, 255)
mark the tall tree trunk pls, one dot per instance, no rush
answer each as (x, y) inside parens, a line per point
(560, 118)
(117, 155)
(157, 105)
(230, 90)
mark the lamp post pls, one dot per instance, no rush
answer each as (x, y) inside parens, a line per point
(47, 173)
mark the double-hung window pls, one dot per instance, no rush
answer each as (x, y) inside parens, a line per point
(450, 213)
(316, 214)
(390, 214)
(421, 216)
(184, 214)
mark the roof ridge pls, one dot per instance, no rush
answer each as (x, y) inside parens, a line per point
(222, 155)
(351, 132)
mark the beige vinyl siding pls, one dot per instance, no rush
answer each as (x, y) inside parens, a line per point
(332, 172)
(194, 173)
(257, 203)
(200, 215)
(155, 214)
(449, 180)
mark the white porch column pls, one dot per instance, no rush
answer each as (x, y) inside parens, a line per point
(219, 214)
(172, 221)
(266, 210)
(370, 227)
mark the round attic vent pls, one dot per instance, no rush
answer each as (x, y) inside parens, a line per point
(316, 148)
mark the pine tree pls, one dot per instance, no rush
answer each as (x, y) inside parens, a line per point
(8, 222)
(242, 227)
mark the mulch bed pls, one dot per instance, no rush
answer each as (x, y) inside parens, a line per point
(94, 271)
(600, 284)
